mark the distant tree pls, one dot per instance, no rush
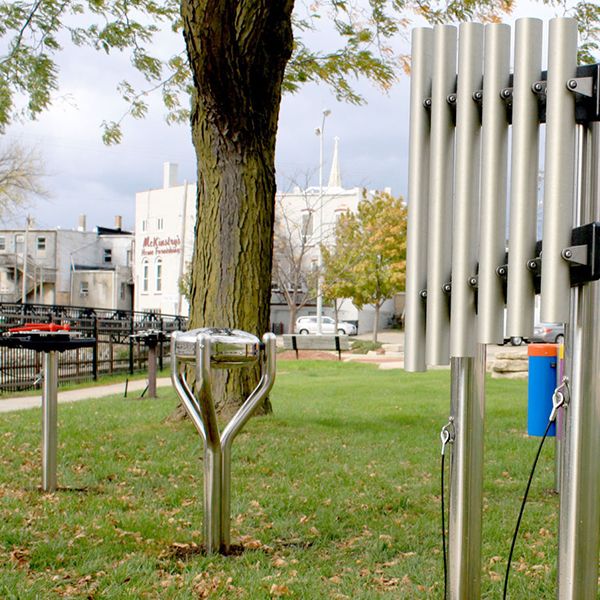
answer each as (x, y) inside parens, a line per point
(21, 173)
(368, 261)
(293, 251)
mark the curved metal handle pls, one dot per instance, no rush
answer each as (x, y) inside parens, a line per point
(261, 391)
(184, 391)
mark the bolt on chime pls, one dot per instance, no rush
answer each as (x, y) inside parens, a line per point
(195, 353)
(462, 271)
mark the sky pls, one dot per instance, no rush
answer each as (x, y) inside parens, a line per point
(86, 177)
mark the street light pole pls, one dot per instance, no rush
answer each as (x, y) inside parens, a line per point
(320, 133)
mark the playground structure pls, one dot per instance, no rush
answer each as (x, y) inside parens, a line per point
(193, 355)
(462, 272)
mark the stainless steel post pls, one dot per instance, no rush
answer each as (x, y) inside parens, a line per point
(235, 426)
(579, 525)
(49, 422)
(212, 447)
(152, 371)
(524, 178)
(418, 200)
(559, 187)
(466, 495)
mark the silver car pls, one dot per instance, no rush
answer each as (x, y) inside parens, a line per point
(549, 333)
(306, 325)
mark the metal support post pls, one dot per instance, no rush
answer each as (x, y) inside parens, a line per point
(152, 371)
(466, 496)
(579, 525)
(49, 422)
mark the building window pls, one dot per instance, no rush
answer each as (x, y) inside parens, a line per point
(19, 243)
(107, 255)
(128, 258)
(84, 288)
(123, 290)
(158, 274)
(145, 275)
(2, 243)
(41, 244)
(307, 225)
(160, 224)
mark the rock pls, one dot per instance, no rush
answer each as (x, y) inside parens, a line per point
(509, 374)
(510, 365)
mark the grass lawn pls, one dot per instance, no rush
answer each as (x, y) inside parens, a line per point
(336, 496)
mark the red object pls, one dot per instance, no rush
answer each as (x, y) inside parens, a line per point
(40, 327)
(541, 350)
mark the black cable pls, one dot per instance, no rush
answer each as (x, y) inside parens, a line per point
(514, 540)
(444, 532)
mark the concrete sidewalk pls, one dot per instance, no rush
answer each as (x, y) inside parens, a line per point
(100, 391)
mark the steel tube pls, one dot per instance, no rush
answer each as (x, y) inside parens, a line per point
(579, 520)
(494, 152)
(184, 391)
(463, 317)
(466, 486)
(49, 422)
(524, 178)
(152, 371)
(236, 424)
(439, 247)
(212, 446)
(418, 192)
(559, 187)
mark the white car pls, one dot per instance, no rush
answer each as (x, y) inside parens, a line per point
(306, 325)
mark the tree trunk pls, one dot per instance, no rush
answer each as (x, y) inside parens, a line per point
(292, 322)
(237, 53)
(376, 322)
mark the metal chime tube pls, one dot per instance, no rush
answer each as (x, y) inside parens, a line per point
(524, 178)
(579, 526)
(466, 191)
(49, 422)
(559, 188)
(418, 192)
(494, 151)
(439, 233)
(466, 480)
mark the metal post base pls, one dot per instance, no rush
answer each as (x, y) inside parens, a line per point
(466, 492)
(49, 422)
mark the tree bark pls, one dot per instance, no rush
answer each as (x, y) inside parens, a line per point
(237, 53)
(376, 322)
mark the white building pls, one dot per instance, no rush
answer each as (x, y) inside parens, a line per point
(67, 267)
(164, 240)
(316, 212)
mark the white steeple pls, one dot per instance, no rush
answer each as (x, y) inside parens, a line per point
(335, 176)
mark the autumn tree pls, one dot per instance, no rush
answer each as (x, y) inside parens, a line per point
(239, 57)
(369, 258)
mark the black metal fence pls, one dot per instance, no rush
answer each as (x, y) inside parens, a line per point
(114, 351)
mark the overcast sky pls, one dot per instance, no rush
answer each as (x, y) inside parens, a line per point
(86, 177)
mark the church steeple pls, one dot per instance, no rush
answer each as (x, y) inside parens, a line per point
(335, 175)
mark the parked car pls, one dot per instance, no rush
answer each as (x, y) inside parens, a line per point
(306, 325)
(549, 333)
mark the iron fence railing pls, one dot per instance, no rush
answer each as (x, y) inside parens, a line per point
(114, 351)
